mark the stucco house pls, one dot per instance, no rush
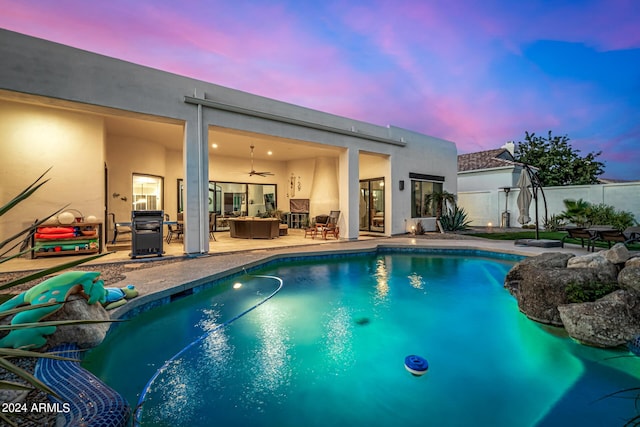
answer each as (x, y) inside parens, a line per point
(488, 169)
(488, 187)
(121, 137)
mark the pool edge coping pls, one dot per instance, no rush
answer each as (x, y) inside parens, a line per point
(164, 296)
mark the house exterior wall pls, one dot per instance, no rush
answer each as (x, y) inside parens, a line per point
(488, 179)
(126, 156)
(64, 76)
(34, 139)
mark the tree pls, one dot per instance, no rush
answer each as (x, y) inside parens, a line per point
(439, 199)
(557, 162)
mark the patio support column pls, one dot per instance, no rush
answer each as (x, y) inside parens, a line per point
(196, 184)
(349, 184)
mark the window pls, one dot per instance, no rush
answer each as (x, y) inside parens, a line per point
(420, 198)
(147, 192)
(233, 199)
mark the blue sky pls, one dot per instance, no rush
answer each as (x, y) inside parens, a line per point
(479, 73)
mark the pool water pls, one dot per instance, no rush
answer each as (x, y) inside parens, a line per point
(329, 350)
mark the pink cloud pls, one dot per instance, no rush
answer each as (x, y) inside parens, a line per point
(414, 64)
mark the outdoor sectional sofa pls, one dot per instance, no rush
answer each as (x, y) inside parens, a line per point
(254, 228)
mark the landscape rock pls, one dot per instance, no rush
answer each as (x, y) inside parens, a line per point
(542, 290)
(633, 262)
(629, 278)
(591, 260)
(545, 260)
(597, 261)
(618, 254)
(85, 336)
(611, 321)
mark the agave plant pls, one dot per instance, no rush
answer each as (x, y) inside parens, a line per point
(17, 244)
(455, 219)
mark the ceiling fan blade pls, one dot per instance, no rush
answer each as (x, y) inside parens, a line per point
(253, 172)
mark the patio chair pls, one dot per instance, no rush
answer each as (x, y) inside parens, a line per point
(331, 228)
(632, 234)
(119, 228)
(174, 230)
(578, 233)
(629, 235)
(212, 226)
(319, 222)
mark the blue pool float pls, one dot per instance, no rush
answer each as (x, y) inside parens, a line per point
(416, 365)
(634, 345)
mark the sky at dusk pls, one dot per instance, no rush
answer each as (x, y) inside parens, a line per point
(478, 73)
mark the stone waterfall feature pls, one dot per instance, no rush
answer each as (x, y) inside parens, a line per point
(542, 284)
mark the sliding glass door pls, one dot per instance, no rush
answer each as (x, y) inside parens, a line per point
(372, 205)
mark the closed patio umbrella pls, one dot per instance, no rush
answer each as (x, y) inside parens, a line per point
(524, 198)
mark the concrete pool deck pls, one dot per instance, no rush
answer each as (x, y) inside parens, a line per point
(158, 284)
(162, 283)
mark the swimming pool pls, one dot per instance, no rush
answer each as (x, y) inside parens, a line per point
(329, 349)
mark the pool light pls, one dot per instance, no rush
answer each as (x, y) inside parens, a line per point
(237, 285)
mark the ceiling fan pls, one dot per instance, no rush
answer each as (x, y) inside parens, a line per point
(253, 171)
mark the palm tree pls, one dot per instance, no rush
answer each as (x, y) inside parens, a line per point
(576, 211)
(439, 199)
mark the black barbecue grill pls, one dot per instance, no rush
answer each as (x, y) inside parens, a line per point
(146, 233)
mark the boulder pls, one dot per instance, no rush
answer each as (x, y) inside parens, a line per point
(85, 336)
(629, 278)
(596, 261)
(611, 321)
(545, 260)
(618, 254)
(633, 262)
(542, 290)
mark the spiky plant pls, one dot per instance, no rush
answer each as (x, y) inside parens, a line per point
(455, 219)
(17, 244)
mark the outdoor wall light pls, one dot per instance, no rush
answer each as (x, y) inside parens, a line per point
(401, 186)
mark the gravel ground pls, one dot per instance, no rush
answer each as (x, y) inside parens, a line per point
(110, 272)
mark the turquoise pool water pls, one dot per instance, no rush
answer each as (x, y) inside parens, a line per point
(329, 349)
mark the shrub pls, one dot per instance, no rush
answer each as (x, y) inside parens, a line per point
(553, 223)
(588, 292)
(455, 220)
(602, 214)
(575, 212)
(584, 214)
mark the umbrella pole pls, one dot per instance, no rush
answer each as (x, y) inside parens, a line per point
(535, 191)
(533, 178)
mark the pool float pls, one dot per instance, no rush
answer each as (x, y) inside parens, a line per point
(115, 297)
(634, 345)
(416, 365)
(53, 290)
